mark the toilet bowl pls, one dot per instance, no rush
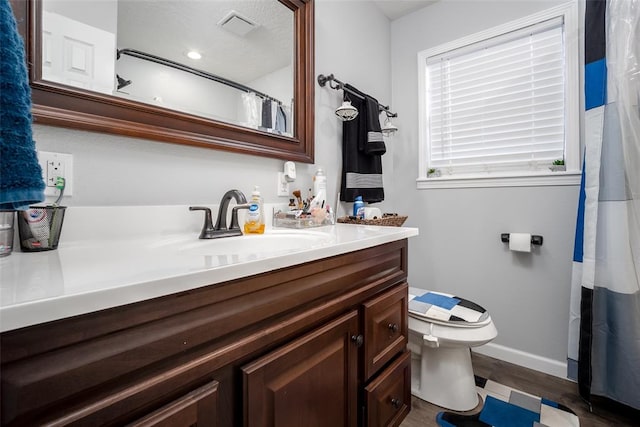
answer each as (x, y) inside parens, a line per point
(442, 330)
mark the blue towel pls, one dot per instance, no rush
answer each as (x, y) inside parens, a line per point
(21, 181)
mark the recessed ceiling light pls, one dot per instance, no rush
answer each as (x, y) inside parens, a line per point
(194, 55)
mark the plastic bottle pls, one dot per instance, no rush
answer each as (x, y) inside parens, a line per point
(254, 223)
(319, 182)
(358, 207)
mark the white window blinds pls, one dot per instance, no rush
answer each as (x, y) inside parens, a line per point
(498, 105)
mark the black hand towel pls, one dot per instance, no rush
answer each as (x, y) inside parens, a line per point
(375, 142)
(266, 114)
(361, 172)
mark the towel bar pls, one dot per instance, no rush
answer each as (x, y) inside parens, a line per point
(323, 80)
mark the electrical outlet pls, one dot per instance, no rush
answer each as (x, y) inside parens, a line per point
(283, 185)
(55, 169)
(56, 165)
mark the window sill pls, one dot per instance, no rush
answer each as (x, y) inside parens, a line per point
(479, 181)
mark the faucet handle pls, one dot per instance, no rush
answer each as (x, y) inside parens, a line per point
(207, 228)
(234, 215)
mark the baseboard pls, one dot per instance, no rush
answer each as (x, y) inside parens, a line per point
(527, 360)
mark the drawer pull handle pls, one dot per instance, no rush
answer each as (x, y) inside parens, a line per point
(358, 340)
(396, 403)
(393, 327)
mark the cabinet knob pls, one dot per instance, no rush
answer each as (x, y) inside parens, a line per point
(396, 403)
(393, 327)
(358, 340)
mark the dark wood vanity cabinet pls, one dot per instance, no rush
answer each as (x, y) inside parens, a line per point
(317, 344)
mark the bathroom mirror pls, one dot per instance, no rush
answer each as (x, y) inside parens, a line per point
(260, 69)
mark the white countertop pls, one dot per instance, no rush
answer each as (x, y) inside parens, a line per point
(143, 260)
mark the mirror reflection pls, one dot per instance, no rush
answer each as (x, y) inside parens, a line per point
(230, 61)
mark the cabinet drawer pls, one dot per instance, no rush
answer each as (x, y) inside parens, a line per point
(388, 397)
(385, 329)
(198, 408)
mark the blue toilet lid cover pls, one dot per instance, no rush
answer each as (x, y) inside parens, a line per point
(445, 307)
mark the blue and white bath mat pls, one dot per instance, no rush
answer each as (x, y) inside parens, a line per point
(508, 407)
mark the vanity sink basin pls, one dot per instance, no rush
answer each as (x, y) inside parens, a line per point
(272, 242)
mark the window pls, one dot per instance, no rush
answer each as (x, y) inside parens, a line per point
(499, 107)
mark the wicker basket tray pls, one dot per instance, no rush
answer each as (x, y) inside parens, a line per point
(392, 220)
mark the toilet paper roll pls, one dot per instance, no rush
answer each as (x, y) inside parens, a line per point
(371, 213)
(520, 242)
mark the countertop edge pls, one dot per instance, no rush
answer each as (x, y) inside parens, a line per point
(44, 310)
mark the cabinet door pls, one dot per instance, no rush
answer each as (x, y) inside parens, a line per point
(309, 382)
(385, 329)
(388, 397)
(198, 408)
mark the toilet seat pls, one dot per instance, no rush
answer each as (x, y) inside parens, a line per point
(446, 309)
(440, 335)
(456, 322)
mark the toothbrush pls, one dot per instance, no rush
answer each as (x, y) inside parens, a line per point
(60, 184)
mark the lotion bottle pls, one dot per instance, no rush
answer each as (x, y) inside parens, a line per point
(319, 182)
(254, 223)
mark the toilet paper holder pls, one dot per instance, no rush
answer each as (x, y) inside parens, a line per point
(535, 239)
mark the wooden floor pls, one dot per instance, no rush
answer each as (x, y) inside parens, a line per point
(605, 412)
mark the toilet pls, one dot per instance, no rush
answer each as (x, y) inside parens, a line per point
(442, 330)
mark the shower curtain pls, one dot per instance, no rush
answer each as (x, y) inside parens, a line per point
(604, 328)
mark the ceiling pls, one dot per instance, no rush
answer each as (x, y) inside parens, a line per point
(170, 29)
(395, 9)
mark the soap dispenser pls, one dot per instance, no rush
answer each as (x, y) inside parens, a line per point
(254, 223)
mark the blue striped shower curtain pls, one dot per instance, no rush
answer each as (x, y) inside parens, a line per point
(604, 325)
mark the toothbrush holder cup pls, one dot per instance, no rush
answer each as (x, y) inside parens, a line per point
(40, 227)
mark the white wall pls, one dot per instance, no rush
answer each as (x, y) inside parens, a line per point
(459, 248)
(278, 84)
(118, 171)
(101, 14)
(175, 89)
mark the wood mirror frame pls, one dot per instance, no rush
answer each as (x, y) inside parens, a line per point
(60, 105)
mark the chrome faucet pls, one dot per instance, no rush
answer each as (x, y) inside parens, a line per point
(210, 231)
